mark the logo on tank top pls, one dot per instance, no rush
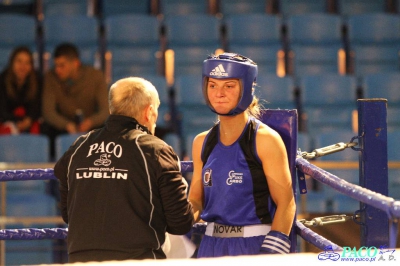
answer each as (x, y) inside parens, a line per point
(207, 178)
(234, 178)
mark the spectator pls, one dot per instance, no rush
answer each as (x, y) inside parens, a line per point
(121, 187)
(19, 94)
(74, 95)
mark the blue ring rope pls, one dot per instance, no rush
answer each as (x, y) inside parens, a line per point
(319, 241)
(377, 200)
(389, 205)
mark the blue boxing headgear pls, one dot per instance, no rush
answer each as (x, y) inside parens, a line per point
(231, 66)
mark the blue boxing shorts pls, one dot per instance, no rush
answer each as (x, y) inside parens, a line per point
(226, 240)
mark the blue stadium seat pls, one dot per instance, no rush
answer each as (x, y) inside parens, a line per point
(315, 202)
(26, 187)
(40, 253)
(228, 7)
(31, 205)
(393, 118)
(26, 7)
(183, 7)
(132, 61)
(383, 85)
(314, 60)
(17, 29)
(350, 175)
(63, 142)
(344, 204)
(374, 41)
(188, 59)
(196, 29)
(164, 112)
(81, 30)
(65, 7)
(328, 101)
(254, 29)
(129, 29)
(78, 29)
(314, 29)
(315, 41)
(196, 116)
(375, 28)
(161, 85)
(4, 56)
(18, 2)
(116, 7)
(304, 141)
(394, 183)
(188, 144)
(24, 148)
(336, 201)
(174, 141)
(393, 145)
(350, 7)
(133, 41)
(369, 59)
(335, 136)
(257, 36)
(269, 58)
(188, 90)
(20, 252)
(276, 92)
(292, 7)
(164, 116)
(192, 38)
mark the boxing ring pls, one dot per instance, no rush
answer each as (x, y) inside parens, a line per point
(378, 214)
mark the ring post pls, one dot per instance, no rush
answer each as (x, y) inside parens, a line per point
(372, 130)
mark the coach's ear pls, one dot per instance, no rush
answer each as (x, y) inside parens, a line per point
(149, 112)
(149, 118)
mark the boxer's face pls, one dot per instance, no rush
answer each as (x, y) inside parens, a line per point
(223, 94)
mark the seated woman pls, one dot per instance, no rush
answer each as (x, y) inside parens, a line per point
(19, 94)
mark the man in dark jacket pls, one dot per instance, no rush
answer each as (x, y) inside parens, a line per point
(121, 187)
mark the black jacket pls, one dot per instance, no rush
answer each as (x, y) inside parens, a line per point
(121, 189)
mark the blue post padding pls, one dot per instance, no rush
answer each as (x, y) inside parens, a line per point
(372, 129)
(285, 123)
(302, 182)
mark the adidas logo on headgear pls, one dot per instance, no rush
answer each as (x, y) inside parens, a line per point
(219, 71)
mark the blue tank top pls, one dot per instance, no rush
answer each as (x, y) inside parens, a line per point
(235, 187)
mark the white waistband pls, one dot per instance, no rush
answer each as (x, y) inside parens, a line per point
(220, 230)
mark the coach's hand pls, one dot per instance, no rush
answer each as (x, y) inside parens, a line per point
(275, 242)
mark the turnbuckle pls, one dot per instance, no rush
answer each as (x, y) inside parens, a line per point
(340, 146)
(332, 219)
